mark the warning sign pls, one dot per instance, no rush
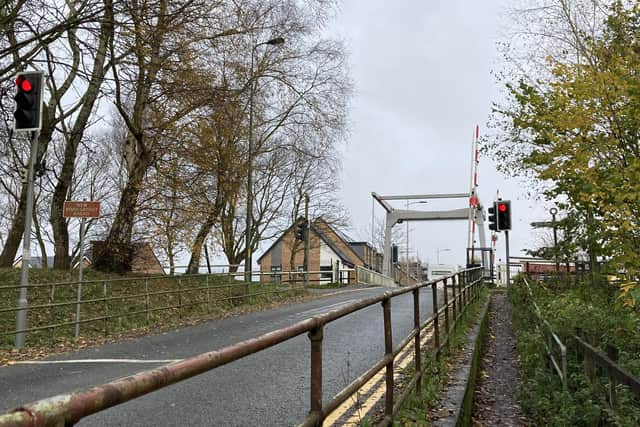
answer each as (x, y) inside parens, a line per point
(73, 209)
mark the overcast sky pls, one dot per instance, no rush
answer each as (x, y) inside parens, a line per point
(422, 74)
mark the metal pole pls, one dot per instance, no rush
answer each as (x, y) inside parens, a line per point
(417, 350)
(79, 290)
(553, 212)
(406, 252)
(307, 235)
(388, 351)
(436, 326)
(21, 315)
(506, 238)
(247, 258)
(316, 336)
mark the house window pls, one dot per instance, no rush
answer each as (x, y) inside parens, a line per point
(276, 278)
(326, 273)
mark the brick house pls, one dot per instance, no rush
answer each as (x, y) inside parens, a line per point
(332, 256)
(144, 260)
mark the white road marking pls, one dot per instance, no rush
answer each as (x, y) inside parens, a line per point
(62, 362)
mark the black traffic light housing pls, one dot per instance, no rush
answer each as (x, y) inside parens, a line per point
(28, 97)
(503, 208)
(301, 230)
(493, 219)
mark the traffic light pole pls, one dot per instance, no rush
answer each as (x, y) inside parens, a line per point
(21, 315)
(506, 241)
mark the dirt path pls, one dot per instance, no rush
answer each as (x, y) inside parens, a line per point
(495, 402)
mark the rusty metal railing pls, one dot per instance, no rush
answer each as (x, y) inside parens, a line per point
(67, 409)
(594, 358)
(125, 298)
(558, 361)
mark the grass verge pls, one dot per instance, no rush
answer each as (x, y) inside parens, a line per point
(116, 305)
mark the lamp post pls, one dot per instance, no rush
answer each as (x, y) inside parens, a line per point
(252, 87)
(438, 250)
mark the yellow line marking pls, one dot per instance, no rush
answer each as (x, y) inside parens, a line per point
(404, 358)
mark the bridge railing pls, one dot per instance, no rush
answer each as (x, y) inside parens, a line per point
(365, 276)
(68, 409)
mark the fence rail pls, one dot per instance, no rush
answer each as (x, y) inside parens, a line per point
(369, 277)
(592, 360)
(558, 359)
(69, 408)
(104, 306)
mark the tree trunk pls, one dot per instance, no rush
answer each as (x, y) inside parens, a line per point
(58, 222)
(196, 248)
(117, 251)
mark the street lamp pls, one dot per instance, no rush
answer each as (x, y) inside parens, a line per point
(252, 88)
(438, 250)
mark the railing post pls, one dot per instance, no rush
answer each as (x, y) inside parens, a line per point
(316, 336)
(388, 351)
(416, 325)
(612, 353)
(436, 321)
(53, 313)
(446, 306)
(106, 307)
(180, 299)
(454, 299)
(463, 293)
(146, 299)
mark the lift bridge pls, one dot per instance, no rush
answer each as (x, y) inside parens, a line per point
(473, 214)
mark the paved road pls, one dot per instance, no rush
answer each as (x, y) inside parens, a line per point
(270, 388)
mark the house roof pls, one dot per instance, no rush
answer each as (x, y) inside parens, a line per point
(343, 257)
(35, 261)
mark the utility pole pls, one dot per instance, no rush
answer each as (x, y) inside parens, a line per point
(306, 239)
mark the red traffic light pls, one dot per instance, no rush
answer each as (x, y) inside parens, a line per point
(502, 207)
(24, 84)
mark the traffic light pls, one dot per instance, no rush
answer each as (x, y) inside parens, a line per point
(493, 224)
(28, 101)
(504, 214)
(301, 230)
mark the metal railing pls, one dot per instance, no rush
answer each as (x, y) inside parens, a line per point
(592, 359)
(69, 408)
(369, 277)
(558, 359)
(103, 306)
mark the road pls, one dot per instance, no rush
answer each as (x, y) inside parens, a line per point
(270, 388)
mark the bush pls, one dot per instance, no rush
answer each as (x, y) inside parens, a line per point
(602, 320)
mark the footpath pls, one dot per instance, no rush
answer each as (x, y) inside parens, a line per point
(495, 399)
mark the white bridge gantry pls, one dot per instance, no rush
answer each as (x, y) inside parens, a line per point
(394, 216)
